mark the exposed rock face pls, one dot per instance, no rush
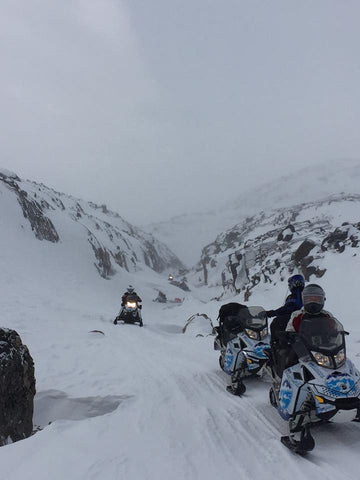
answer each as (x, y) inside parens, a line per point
(271, 246)
(114, 242)
(346, 235)
(41, 225)
(17, 388)
(182, 284)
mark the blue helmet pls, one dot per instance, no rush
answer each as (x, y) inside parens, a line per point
(296, 281)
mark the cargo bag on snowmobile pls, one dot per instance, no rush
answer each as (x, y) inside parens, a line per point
(229, 322)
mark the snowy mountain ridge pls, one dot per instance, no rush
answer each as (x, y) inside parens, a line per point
(113, 243)
(312, 238)
(187, 234)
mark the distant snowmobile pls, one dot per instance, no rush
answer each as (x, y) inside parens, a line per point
(130, 312)
(322, 386)
(243, 340)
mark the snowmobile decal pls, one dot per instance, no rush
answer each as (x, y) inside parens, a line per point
(261, 349)
(229, 357)
(341, 384)
(285, 396)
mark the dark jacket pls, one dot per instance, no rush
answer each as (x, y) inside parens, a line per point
(292, 303)
(134, 296)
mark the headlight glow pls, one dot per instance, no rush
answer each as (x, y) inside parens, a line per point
(264, 332)
(322, 360)
(251, 334)
(340, 358)
(131, 304)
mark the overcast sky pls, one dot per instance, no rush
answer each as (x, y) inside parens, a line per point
(159, 107)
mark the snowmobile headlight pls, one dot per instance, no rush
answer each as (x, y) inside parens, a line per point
(322, 360)
(251, 334)
(131, 304)
(264, 333)
(340, 358)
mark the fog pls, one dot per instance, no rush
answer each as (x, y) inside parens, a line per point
(164, 107)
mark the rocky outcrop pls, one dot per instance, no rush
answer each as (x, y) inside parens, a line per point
(33, 211)
(269, 247)
(115, 243)
(17, 388)
(346, 235)
(41, 225)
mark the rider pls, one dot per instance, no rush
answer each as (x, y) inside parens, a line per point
(313, 297)
(282, 316)
(293, 302)
(134, 296)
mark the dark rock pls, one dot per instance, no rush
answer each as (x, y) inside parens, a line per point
(312, 270)
(303, 250)
(41, 225)
(17, 388)
(181, 285)
(161, 298)
(286, 234)
(335, 240)
(120, 259)
(103, 264)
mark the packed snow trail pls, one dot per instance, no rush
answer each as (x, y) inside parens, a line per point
(173, 417)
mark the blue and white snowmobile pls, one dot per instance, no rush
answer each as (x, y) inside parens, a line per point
(323, 385)
(243, 340)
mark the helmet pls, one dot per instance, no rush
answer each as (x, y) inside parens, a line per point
(313, 297)
(296, 281)
(130, 289)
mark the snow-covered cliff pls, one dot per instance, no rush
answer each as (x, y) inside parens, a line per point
(110, 243)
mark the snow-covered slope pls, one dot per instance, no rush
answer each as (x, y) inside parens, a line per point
(187, 234)
(316, 239)
(111, 243)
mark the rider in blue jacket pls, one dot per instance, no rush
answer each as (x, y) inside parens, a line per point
(292, 303)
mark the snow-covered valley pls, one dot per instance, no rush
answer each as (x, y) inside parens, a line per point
(147, 403)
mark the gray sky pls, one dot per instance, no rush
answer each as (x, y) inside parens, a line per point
(159, 107)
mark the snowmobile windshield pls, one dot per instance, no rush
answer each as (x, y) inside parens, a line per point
(322, 333)
(253, 317)
(131, 299)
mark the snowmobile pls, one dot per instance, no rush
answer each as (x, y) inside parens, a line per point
(130, 312)
(321, 386)
(243, 341)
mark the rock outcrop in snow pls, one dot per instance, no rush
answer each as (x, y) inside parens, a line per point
(17, 388)
(112, 241)
(268, 247)
(33, 211)
(309, 184)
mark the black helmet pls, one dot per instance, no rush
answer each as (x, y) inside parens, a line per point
(313, 297)
(296, 281)
(130, 289)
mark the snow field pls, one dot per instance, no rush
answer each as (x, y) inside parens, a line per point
(147, 403)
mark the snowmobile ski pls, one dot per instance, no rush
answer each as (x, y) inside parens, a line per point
(237, 388)
(303, 446)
